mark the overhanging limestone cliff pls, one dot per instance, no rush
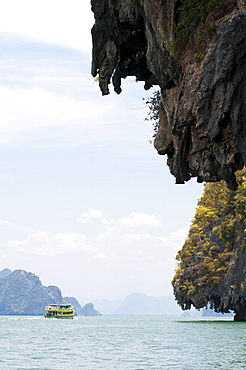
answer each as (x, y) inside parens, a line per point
(212, 262)
(201, 75)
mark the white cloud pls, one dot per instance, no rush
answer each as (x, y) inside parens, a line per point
(114, 240)
(22, 110)
(107, 234)
(30, 108)
(89, 216)
(133, 220)
(175, 240)
(53, 95)
(41, 243)
(140, 220)
(180, 234)
(120, 259)
(55, 21)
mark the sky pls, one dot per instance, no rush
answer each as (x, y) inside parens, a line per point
(87, 204)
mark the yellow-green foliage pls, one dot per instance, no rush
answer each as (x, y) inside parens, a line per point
(217, 235)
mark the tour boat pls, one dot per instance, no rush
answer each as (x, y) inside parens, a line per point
(60, 311)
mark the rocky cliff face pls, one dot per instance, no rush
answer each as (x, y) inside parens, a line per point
(212, 262)
(22, 293)
(196, 53)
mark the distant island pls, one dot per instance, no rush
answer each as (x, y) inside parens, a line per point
(22, 293)
(140, 304)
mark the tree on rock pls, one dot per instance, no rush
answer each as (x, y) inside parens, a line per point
(212, 263)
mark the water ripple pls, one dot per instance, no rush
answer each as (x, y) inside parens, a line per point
(121, 343)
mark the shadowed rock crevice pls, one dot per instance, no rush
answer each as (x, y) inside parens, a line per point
(201, 76)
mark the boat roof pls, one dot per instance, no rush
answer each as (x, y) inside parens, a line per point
(60, 304)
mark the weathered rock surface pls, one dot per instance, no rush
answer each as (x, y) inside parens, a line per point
(212, 263)
(202, 127)
(22, 293)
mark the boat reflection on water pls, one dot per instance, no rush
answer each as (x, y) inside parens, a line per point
(60, 311)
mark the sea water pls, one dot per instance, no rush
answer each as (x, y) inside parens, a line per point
(121, 343)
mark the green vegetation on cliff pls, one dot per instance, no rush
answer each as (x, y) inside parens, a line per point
(191, 13)
(212, 263)
(154, 105)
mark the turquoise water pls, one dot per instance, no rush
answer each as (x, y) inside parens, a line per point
(121, 343)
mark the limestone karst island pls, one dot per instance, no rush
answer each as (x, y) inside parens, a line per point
(193, 52)
(22, 293)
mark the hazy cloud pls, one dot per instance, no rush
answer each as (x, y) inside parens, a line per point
(23, 109)
(89, 216)
(122, 255)
(41, 243)
(140, 220)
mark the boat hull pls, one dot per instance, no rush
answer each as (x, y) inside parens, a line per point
(59, 317)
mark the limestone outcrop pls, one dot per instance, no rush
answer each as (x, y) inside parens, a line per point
(212, 262)
(199, 67)
(89, 310)
(22, 293)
